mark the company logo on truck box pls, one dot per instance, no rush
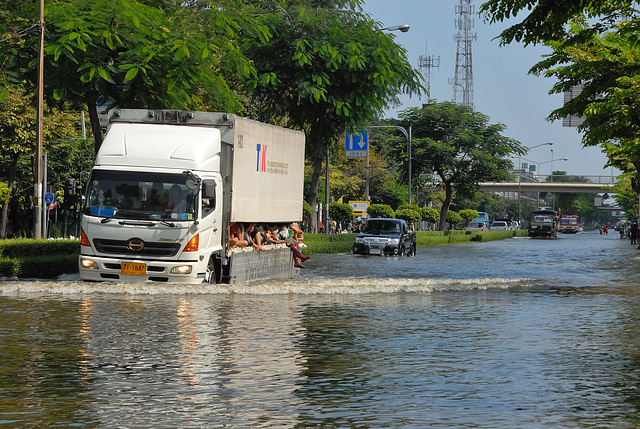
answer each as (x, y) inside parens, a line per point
(261, 166)
(264, 166)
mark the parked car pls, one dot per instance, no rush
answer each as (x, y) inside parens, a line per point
(500, 225)
(477, 226)
(515, 225)
(380, 236)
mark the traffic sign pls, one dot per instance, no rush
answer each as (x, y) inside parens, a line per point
(359, 207)
(49, 198)
(356, 145)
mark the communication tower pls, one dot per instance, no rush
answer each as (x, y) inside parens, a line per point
(463, 79)
(427, 62)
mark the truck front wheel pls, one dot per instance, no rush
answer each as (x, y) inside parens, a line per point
(210, 274)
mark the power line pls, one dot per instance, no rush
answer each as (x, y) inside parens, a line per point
(19, 33)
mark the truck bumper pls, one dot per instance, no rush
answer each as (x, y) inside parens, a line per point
(96, 268)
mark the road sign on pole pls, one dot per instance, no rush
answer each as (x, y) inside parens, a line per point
(356, 145)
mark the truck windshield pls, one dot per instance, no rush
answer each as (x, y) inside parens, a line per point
(140, 195)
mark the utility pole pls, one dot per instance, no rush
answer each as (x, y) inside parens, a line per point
(37, 189)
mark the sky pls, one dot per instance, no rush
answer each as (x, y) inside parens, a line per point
(503, 89)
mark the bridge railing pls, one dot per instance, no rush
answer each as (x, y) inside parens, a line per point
(602, 179)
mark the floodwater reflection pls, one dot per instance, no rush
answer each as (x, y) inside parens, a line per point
(517, 333)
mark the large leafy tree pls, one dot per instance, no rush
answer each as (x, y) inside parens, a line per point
(327, 68)
(143, 54)
(595, 46)
(17, 142)
(459, 146)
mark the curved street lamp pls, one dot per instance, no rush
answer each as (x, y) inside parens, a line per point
(403, 28)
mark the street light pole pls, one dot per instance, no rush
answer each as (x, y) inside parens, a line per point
(407, 135)
(551, 179)
(37, 189)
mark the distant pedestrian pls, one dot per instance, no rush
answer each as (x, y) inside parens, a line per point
(634, 233)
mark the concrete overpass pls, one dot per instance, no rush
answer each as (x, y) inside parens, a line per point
(588, 188)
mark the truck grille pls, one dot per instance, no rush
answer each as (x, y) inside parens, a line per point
(121, 247)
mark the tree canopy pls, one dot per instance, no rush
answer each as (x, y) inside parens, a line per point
(458, 147)
(132, 53)
(594, 46)
(326, 70)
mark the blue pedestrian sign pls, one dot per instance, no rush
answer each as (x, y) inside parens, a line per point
(356, 145)
(49, 198)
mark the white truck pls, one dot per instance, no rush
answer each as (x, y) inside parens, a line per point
(218, 168)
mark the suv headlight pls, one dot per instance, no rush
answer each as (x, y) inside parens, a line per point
(393, 241)
(359, 240)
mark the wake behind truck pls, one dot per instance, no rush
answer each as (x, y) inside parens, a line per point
(167, 186)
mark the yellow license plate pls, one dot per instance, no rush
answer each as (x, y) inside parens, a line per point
(134, 268)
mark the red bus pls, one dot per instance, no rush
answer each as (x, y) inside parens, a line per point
(569, 223)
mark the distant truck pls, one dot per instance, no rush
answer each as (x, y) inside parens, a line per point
(167, 186)
(569, 224)
(544, 223)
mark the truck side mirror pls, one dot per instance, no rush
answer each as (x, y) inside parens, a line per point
(209, 189)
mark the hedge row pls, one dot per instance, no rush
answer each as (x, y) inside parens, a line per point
(52, 258)
(46, 259)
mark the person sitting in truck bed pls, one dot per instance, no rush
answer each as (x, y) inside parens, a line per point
(254, 238)
(236, 234)
(272, 235)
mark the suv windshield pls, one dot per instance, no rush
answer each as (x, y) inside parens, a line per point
(138, 195)
(381, 227)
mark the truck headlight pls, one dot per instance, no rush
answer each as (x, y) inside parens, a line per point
(181, 269)
(88, 264)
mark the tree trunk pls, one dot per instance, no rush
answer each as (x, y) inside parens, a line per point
(13, 168)
(315, 144)
(312, 198)
(94, 120)
(448, 196)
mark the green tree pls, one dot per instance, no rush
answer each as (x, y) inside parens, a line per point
(547, 19)
(381, 210)
(17, 145)
(410, 214)
(453, 218)
(468, 214)
(327, 68)
(626, 197)
(595, 46)
(459, 146)
(136, 54)
(430, 214)
(341, 212)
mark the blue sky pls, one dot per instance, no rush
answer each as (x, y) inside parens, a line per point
(503, 89)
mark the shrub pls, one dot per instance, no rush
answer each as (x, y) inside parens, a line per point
(409, 213)
(381, 210)
(339, 211)
(430, 214)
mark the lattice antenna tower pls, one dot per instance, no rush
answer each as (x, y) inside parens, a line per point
(463, 79)
(428, 62)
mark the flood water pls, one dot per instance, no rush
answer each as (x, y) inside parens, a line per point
(524, 333)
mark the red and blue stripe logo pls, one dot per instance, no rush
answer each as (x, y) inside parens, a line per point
(261, 159)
